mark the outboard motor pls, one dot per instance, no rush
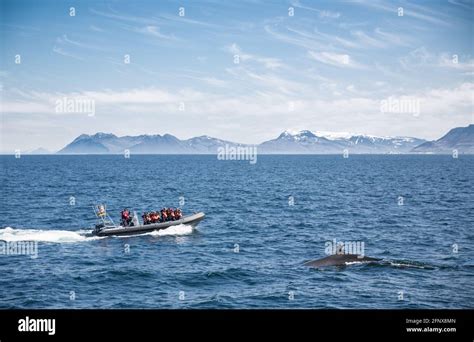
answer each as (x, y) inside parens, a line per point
(98, 227)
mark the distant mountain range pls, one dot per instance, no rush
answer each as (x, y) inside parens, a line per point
(303, 142)
(306, 142)
(39, 151)
(105, 143)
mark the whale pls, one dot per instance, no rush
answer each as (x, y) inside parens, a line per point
(340, 260)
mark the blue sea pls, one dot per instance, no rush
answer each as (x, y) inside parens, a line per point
(263, 222)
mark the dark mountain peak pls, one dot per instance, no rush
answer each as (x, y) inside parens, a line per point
(82, 137)
(171, 138)
(459, 130)
(101, 135)
(205, 138)
(97, 136)
(284, 135)
(306, 133)
(149, 136)
(459, 138)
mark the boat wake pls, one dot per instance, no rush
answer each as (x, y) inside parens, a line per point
(348, 263)
(59, 236)
(9, 234)
(402, 264)
(409, 264)
(180, 229)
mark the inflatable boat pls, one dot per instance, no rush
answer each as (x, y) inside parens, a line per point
(106, 227)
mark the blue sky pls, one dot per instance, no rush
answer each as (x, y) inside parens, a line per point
(328, 67)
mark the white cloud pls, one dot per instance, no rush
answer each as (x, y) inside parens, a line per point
(324, 38)
(409, 10)
(329, 14)
(267, 62)
(123, 17)
(368, 40)
(379, 39)
(438, 100)
(155, 32)
(246, 118)
(456, 62)
(298, 40)
(272, 82)
(467, 4)
(417, 57)
(62, 52)
(334, 59)
(95, 28)
(64, 40)
(421, 57)
(213, 81)
(31, 107)
(184, 20)
(317, 40)
(392, 38)
(321, 13)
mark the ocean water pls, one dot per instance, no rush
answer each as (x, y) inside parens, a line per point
(250, 249)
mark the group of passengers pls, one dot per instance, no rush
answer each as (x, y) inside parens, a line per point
(165, 214)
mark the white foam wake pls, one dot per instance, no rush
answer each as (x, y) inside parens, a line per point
(59, 236)
(180, 229)
(355, 262)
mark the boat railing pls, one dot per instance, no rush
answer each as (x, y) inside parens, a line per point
(102, 217)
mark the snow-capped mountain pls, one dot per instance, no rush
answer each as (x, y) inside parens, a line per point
(303, 142)
(336, 142)
(288, 142)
